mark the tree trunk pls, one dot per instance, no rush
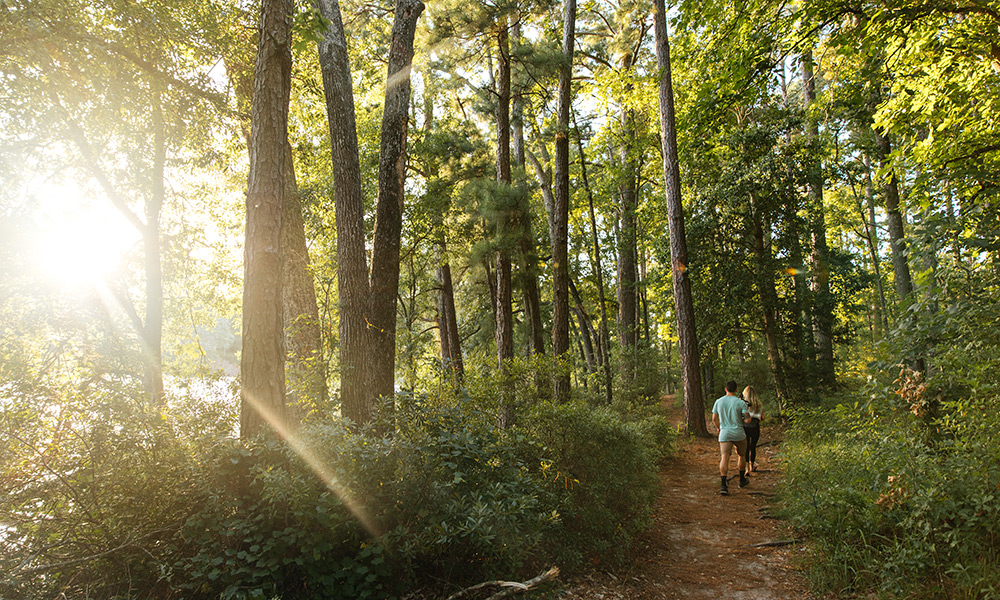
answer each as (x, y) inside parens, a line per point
(769, 303)
(305, 371)
(694, 406)
(153, 329)
(871, 228)
(642, 306)
(627, 328)
(708, 377)
(543, 175)
(451, 341)
(389, 208)
(603, 332)
(528, 266)
(627, 270)
(897, 238)
(822, 299)
(504, 316)
(352, 268)
(262, 368)
(560, 218)
(586, 329)
(804, 352)
(367, 308)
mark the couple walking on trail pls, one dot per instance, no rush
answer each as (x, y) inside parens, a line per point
(738, 420)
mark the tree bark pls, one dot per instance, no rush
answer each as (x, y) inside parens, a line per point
(897, 237)
(526, 237)
(560, 218)
(451, 341)
(603, 331)
(389, 208)
(504, 315)
(352, 268)
(820, 283)
(305, 370)
(694, 406)
(367, 308)
(586, 329)
(627, 271)
(262, 368)
(871, 228)
(769, 303)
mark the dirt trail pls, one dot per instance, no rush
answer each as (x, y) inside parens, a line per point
(701, 543)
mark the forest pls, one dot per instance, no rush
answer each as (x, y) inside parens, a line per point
(340, 299)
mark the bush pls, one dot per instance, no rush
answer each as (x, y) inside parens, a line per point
(123, 501)
(607, 468)
(893, 505)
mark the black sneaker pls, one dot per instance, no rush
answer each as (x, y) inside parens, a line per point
(744, 480)
(724, 491)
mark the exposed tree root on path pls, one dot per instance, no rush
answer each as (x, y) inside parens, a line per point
(703, 545)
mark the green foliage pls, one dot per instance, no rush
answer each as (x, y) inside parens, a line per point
(606, 468)
(891, 504)
(104, 495)
(648, 377)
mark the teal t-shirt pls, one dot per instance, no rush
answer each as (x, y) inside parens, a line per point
(730, 410)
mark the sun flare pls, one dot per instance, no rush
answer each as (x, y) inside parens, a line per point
(79, 242)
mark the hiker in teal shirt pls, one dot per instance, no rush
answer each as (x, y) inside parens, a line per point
(728, 414)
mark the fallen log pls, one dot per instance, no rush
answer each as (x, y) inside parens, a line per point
(510, 587)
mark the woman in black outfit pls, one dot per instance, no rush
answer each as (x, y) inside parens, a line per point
(756, 409)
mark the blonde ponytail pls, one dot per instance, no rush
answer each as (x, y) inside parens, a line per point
(751, 398)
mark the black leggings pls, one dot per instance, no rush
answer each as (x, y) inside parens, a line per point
(753, 436)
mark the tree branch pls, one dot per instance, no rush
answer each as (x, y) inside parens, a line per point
(512, 587)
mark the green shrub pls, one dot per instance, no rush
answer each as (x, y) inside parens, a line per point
(892, 504)
(119, 500)
(607, 469)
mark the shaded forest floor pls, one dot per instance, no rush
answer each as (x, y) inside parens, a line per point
(701, 544)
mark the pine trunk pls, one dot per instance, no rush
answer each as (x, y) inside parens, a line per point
(153, 329)
(389, 207)
(694, 406)
(822, 299)
(602, 336)
(769, 303)
(352, 268)
(305, 371)
(627, 271)
(871, 229)
(262, 372)
(367, 308)
(560, 217)
(504, 296)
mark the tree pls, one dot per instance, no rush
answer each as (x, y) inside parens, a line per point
(367, 306)
(560, 207)
(503, 310)
(262, 367)
(694, 409)
(823, 320)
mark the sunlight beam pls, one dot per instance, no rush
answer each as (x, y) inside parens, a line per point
(318, 467)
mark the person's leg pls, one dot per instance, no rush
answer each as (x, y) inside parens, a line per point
(752, 440)
(725, 449)
(741, 447)
(746, 455)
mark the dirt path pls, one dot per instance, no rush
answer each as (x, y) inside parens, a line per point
(701, 543)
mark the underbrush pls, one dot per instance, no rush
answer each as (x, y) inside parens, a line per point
(894, 500)
(125, 503)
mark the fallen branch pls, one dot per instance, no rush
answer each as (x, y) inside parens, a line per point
(511, 587)
(774, 544)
